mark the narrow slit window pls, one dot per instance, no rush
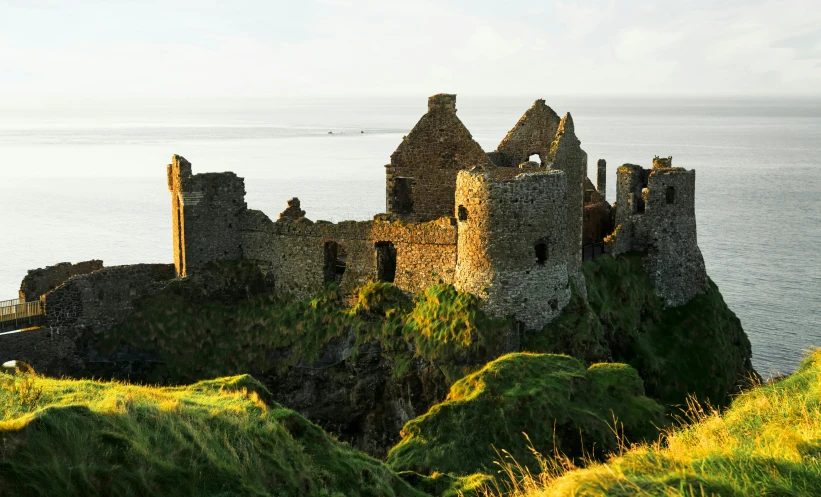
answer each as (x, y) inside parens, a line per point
(541, 252)
(670, 194)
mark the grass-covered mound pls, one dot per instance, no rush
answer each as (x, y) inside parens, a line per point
(196, 337)
(767, 443)
(554, 399)
(212, 438)
(699, 348)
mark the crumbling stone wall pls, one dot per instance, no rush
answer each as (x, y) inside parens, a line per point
(294, 251)
(513, 249)
(98, 300)
(533, 134)
(39, 281)
(421, 178)
(567, 155)
(206, 210)
(79, 312)
(655, 214)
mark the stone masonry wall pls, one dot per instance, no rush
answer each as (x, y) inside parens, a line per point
(101, 299)
(427, 160)
(655, 214)
(206, 210)
(533, 134)
(40, 281)
(567, 155)
(513, 249)
(48, 352)
(79, 312)
(294, 251)
(674, 262)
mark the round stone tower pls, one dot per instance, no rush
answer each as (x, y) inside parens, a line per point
(512, 248)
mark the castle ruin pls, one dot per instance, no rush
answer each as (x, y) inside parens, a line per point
(512, 231)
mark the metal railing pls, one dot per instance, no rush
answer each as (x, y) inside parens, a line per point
(20, 314)
(9, 303)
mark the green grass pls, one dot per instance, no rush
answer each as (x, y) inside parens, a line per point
(554, 399)
(213, 438)
(696, 349)
(767, 443)
(198, 338)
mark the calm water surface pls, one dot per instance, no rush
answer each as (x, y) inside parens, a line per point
(82, 179)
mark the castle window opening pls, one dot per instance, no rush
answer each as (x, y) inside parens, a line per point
(402, 198)
(541, 252)
(336, 260)
(463, 213)
(535, 158)
(385, 261)
(670, 194)
(640, 203)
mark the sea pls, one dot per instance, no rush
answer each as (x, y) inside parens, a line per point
(85, 179)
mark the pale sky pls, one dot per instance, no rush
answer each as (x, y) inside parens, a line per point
(384, 47)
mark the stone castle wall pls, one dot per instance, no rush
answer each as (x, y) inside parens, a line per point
(40, 281)
(99, 300)
(79, 312)
(567, 155)
(655, 214)
(513, 249)
(206, 210)
(421, 178)
(295, 251)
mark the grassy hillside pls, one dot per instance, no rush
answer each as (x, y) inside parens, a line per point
(213, 438)
(196, 337)
(554, 399)
(767, 443)
(695, 349)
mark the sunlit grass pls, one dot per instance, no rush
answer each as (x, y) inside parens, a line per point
(767, 443)
(214, 438)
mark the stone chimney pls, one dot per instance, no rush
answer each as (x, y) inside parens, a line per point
(442, 102)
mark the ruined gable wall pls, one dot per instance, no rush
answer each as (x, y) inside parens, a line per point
(433, 152)
(206, 210)
(533, 134)
(39, 281)
(567, 155)
(294, 251)
(506, 214)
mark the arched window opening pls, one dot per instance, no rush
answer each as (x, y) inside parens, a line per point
(385, 261)
(463, 213)
(535, 158)
(336, 260)
(541, 252)
(670, 194)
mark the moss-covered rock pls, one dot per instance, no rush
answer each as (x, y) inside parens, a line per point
(696, 349)
(554, 399)
(214, 438)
